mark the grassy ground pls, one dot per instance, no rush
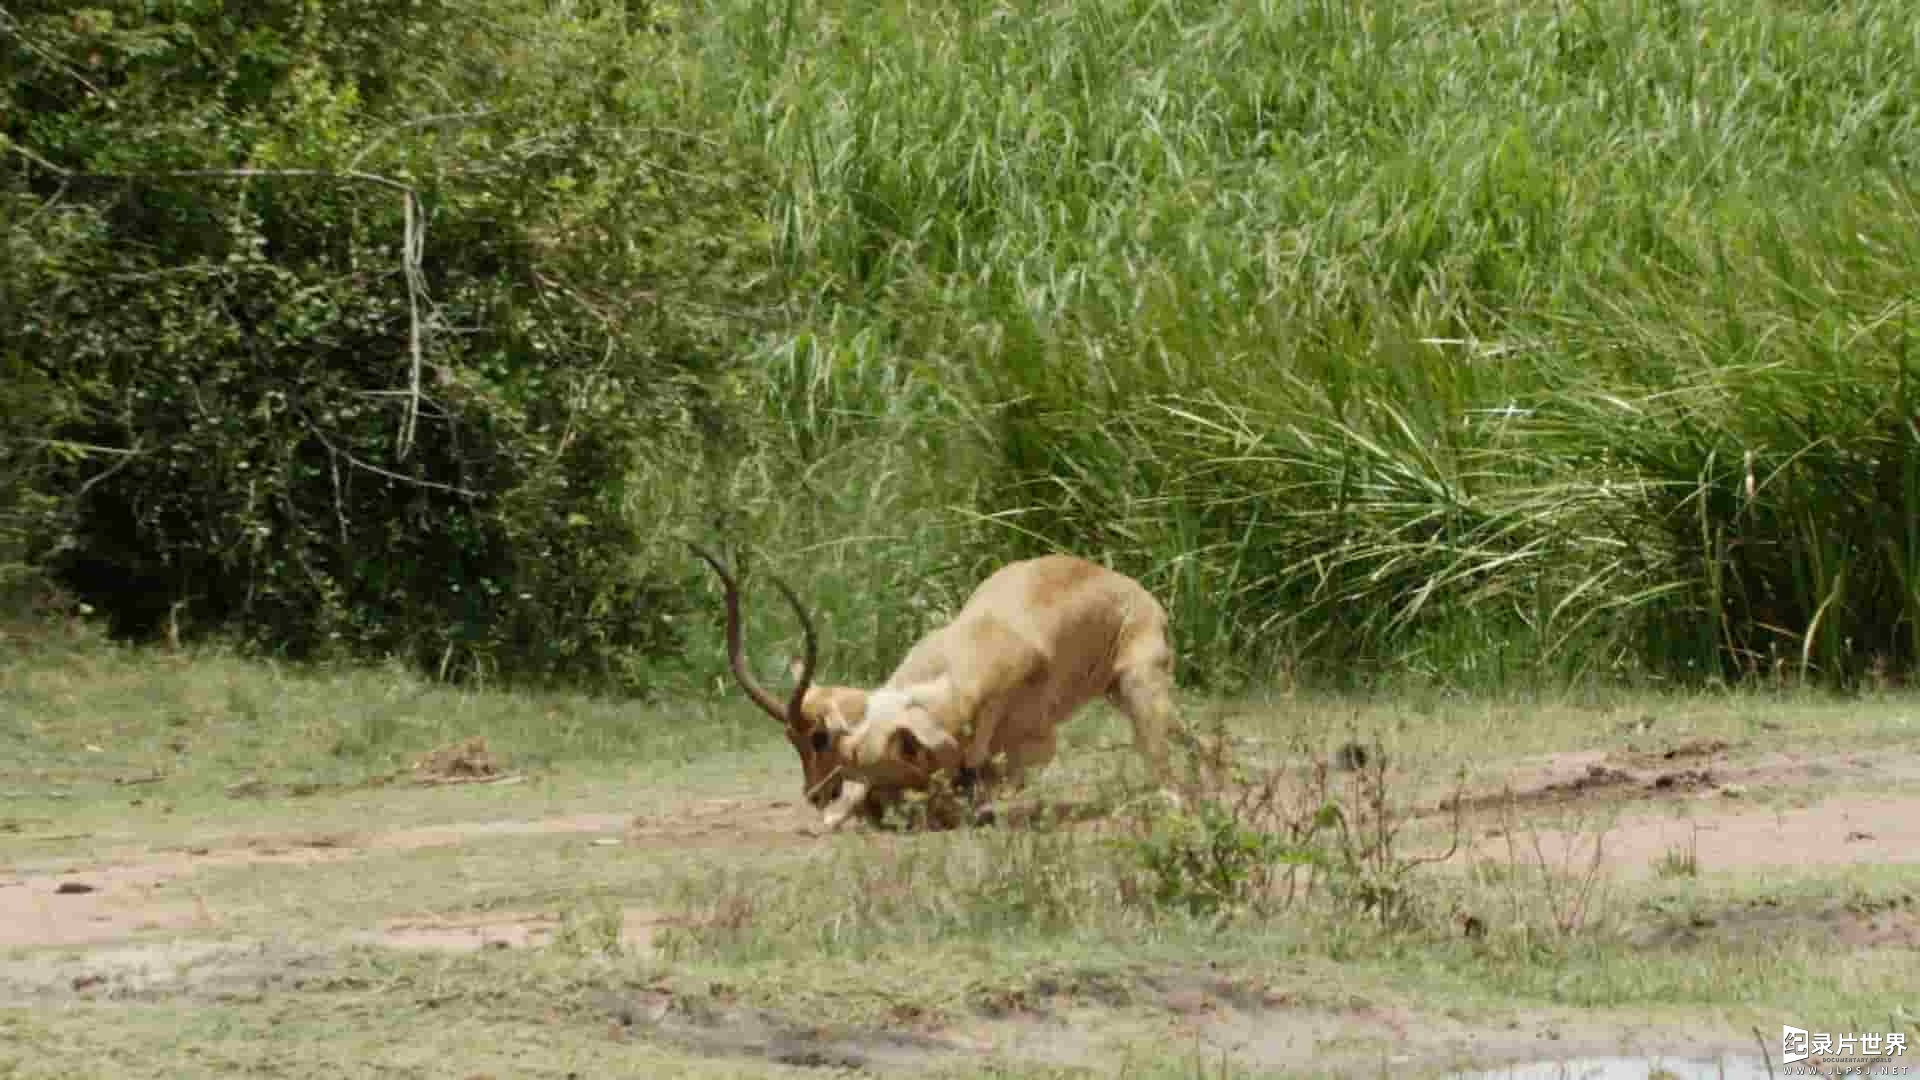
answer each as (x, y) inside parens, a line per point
(1453, 347)
(677, 922)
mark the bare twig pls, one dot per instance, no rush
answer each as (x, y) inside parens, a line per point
(357, 175)
(126, 458)
(91, 448)
(339, 500)
(1765, 1054)
(35, 158)
(191, 269)
(52, 200)
(12, 26)
(412, 244)
(46, 206)
(418, 121)
(377, 470)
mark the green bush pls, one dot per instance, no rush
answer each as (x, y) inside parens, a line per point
(361, 331)
(1209, 861)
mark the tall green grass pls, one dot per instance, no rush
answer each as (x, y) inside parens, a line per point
(1461, 340)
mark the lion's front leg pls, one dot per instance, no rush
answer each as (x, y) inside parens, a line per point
(1005, 775)
(976, 786)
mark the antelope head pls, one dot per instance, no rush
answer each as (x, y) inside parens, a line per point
(814, 716)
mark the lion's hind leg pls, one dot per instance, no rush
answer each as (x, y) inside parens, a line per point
(1142, 689)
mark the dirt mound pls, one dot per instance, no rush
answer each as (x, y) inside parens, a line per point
(458, 763)
(1693, 768)
(1597, 779)
(1684, 751)
(1627, 774)
(1893, 921)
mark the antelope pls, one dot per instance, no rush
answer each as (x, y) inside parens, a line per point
(982, 697)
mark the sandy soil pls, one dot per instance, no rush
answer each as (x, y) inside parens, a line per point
(1731, 811)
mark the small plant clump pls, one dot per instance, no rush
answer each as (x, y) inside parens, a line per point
(1257, 846)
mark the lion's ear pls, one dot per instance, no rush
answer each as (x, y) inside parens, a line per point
(919, 737)
(908, 746)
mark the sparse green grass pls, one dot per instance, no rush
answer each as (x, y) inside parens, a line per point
(85, 719)
(372, 1015)
(862, 929)
(1678, 863)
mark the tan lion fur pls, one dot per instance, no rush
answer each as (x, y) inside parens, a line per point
(1035, 642)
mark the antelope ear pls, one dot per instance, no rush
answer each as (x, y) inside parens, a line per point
(796, 666)
(833, 719)
(851, 710)
(810, 714)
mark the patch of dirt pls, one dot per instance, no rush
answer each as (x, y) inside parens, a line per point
(1650, 807)
(118, 900)
(157, 970)
(1280, 1020)
(1091, 1019)
(1721, 835)
(1684, 768)
(1595, 779)
(1080, 1019)
(727, 823)
(705, 1025)
(1691, 767)
(1692, 798)
(134, 891)
(456, 833)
